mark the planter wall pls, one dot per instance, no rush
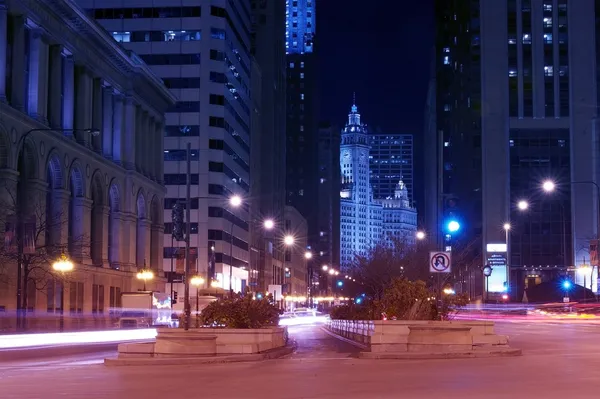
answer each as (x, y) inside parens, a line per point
(393, 335)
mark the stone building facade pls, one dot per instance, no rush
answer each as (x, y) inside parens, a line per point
(81, 142)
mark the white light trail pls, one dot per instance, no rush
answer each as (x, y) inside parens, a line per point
(71, 338)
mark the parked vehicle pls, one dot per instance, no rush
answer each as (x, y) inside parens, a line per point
(144, 309)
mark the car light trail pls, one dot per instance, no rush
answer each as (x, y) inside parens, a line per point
(82, 337)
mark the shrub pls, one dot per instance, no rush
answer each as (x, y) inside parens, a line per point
(240, 312)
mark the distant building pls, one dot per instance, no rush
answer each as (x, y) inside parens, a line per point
(391, 160)
(365, 222)
(296, 270)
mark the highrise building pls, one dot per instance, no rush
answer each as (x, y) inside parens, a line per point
(515, 104)
(269, 144)
(202, 53)
(302, 177)
(327, 247)
(391, 160)
(364, 221)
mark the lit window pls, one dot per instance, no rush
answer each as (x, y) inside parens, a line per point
(302, 96)
(512, 73)
(446, 49)
(549, 70)
(526, 38)
(122, 37)
(302, 75)
(547, 22)
(548, 38)
(291, 64)
(446, 144)
(446, 60)
(547, 7)
(512, 39)
(561, 143)
(446, 107)
(511, 143)
(302, 64)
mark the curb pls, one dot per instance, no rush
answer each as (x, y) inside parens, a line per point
(180, 361)
(446, 355)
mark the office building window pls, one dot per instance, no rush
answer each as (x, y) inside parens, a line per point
(150, 12)
(171, 59)
(182, 83)
(217, 33)
(179, 179)
(185, 106)
(170, 202)
(180, 155)
(182, 131)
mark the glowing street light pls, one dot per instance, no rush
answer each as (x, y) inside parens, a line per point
(145, 275)
(235, 201)
(197, 281)
(63, 264)
(453, 226)
(523, 205)
(269, 224)
(308, 255)
(288, 240)
(548, 186)
(331, 271)
(325, 267)
(506, 226)
(420, 235)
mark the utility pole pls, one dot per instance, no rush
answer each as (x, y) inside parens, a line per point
(186, 306)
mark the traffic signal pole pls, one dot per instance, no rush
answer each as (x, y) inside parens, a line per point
(186, 299)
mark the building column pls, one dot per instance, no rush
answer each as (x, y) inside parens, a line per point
(17, 93)
(140, 120)
(104, 213)
(3, 47)
(156, 250)
(83, 106)
(142, 253)
(160, 166)
(38, 77)
(117, 144)
(34, 206)
(129, 235)
(79, 247)
(68, 101)
(56, 87)
(116, 242)
(8, 192)
(59, 235)
(149, 140)
(97, 114)
(129, 139)
(107, 122)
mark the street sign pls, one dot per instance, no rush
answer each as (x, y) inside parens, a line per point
(440, 262)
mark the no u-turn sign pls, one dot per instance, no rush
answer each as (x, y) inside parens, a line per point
(440, 262)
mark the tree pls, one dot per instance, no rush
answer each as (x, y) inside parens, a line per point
(32, 239)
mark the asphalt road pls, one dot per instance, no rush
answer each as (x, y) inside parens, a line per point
(559, 361)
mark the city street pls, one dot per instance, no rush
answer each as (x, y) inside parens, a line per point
(559, 360)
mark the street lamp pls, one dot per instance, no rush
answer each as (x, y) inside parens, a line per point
(325, 267)
(197, 281)
(235, 202)
(548, 186)
(145, 275)
(288, 240)
(420, 235)
(308, 255)
(62, 265)
(523, 205)
(269, 224)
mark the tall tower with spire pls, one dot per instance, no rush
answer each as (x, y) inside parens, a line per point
(365, 222)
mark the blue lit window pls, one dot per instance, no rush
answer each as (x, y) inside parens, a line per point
(548, 38)
(302, 75)
(180, 155)
(216, 33)
(122, 37)
(292, 65)
(446, 60)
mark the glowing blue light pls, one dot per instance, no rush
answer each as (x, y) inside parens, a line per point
(566, 284)
(340, 283)
(259, 296)
(453, 226)
(358, 300)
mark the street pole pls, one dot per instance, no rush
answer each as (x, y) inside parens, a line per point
(197, 308)
(507, 231)
(231, 261)
(172, 238)
(186, 305)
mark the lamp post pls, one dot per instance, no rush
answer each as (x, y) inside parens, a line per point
(145, 274)
(197, 281)
(507, 228)
(19, 224)
(235, 202)
(62, 265)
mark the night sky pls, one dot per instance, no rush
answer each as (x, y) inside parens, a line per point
(382, 50)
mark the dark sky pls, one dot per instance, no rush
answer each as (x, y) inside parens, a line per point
(381, 49)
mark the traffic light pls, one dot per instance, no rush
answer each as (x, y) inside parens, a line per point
(340, 283)
(174, 299)
(566, 284)
(452, 226)
(177, 219)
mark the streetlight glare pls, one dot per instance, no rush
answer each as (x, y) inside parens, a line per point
(308, 255)
(548, 186)
(235, 201)
(523, 205)
(331, 271)
(420, 235)
(506, 226)
(197, 280)
(63, 264)
(288, 240)
(453, 226)
(269, 224)
(325, 267)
